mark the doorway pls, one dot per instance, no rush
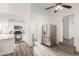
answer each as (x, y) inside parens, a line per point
(68, 35)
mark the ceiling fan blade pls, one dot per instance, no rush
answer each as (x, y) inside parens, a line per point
(50, 7)
(58, 4)
(67, 6)
(55, 11)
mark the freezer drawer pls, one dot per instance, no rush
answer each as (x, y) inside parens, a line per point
(46, 40)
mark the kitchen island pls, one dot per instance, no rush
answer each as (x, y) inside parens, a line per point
(7, 44)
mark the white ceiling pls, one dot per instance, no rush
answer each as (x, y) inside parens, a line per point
(51, 11)
(44, 5)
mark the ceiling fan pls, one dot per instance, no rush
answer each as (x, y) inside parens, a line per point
(59, 6)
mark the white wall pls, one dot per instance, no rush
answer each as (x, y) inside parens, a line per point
(28, 34)
(38, 18)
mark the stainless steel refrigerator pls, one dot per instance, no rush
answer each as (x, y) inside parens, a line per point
(49, 34)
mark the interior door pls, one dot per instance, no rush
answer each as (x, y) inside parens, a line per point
(66, 27)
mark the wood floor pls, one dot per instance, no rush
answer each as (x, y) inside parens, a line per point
(42, 50)
(22, 49)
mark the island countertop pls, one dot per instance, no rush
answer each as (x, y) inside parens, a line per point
(6, 36)
(7, 44)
